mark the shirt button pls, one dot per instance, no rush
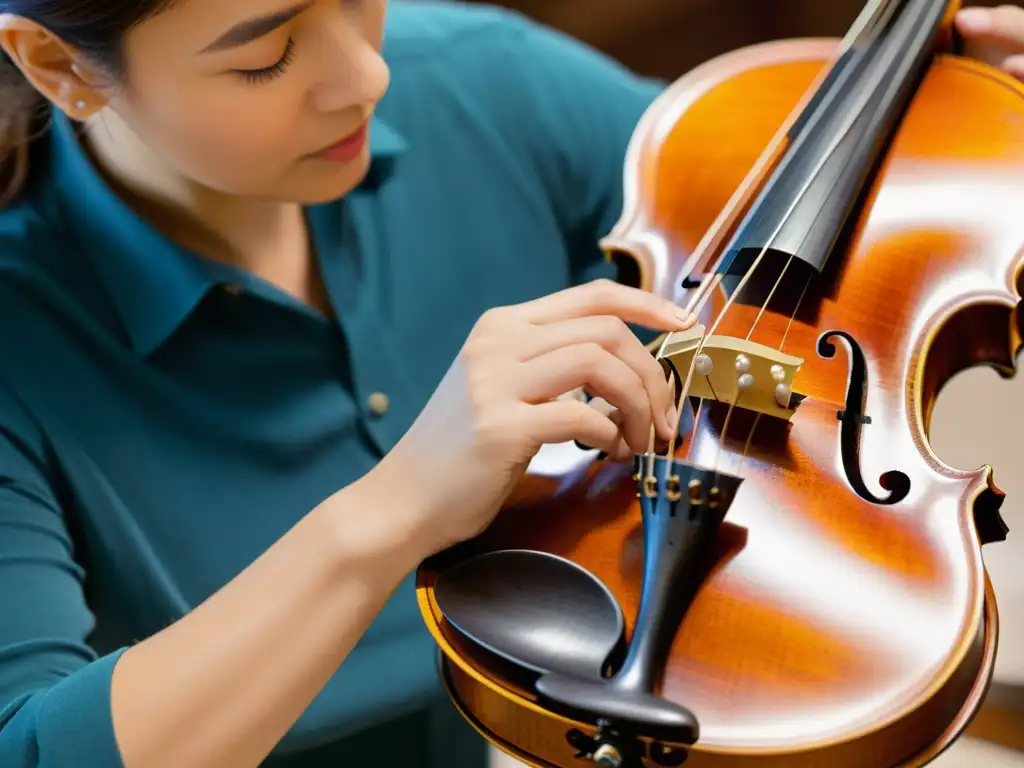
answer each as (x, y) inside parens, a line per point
(232, 289)
(378, 403)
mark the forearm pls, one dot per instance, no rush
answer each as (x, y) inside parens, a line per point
(224, 684)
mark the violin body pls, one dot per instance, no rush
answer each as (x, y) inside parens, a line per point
(846, 618)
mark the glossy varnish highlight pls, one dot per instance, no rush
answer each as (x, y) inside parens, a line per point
(832, 631)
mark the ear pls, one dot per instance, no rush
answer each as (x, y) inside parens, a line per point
(58, 71)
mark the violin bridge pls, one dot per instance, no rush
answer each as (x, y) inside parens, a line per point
(731, 370)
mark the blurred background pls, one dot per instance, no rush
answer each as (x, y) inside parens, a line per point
(665, 38)
(979, 417)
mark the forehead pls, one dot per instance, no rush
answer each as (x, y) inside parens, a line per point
(187, 26)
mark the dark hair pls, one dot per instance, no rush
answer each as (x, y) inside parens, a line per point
(96, 28)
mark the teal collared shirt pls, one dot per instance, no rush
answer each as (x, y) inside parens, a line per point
(164, 419)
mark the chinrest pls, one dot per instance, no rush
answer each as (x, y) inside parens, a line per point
(539, 611)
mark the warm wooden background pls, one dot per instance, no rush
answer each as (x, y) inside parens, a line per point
(667, 37)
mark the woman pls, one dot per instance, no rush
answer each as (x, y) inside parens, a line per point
(234, 274)
(230, 426)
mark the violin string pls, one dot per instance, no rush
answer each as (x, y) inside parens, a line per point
(682, 399)
(713, 279)
(732, 299)
(782, 343)
(867, 17)
(698, 299)
(846, 128)
(696, 303)
(792, 317)
(789, 324)
(771, 293)
(725, 428)
(701, 295)
(855, 114)
(675, 432)
(746, 447)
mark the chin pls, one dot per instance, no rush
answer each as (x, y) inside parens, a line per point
(317, 182)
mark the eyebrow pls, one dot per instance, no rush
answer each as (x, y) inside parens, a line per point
(253, 29)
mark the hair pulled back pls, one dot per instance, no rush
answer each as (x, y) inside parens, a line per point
(96, 28)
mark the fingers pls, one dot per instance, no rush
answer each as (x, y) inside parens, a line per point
(605, 297)
(1001, 26)
(560, 421)
(1014, 65)
(602, 373)
(613, 335)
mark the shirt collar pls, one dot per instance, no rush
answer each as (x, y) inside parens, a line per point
(154, 283)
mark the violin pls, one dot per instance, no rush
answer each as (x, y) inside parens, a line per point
(797, 580)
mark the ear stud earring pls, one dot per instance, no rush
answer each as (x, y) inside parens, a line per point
(81, 105)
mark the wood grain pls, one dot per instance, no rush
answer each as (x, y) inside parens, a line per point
(832, 631)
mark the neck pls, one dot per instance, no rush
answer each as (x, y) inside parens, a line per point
(257, 235)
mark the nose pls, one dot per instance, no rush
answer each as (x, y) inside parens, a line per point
(353, 74)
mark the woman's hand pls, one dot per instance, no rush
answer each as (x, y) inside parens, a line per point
(995, 36)
(500, 402)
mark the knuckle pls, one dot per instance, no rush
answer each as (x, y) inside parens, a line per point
(591, 356)
(487, 335)
(474, 350)
(488, 409)
(579, 418)
(492, 432)
(605, 289)
(654, 372)
(488, 425)
(481, 389)
(636, 382)
(614, 332)
(637, 404)
(490, 319)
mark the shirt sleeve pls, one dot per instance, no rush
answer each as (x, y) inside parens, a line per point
(54, 689)
(580, 108)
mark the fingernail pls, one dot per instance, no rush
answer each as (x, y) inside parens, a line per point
(684, 317)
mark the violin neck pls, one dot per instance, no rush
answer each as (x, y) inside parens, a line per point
(837, 142)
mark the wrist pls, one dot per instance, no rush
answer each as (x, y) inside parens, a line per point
(376, 519)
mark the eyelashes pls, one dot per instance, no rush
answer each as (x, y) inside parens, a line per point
(259, 76)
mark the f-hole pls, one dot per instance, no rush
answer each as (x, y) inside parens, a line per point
(853, 418)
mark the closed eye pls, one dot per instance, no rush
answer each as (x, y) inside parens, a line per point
(265, 74)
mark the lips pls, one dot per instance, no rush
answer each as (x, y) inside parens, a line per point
(348, 148)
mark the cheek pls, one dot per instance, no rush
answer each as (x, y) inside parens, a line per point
(249, 122)
(233, 137)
